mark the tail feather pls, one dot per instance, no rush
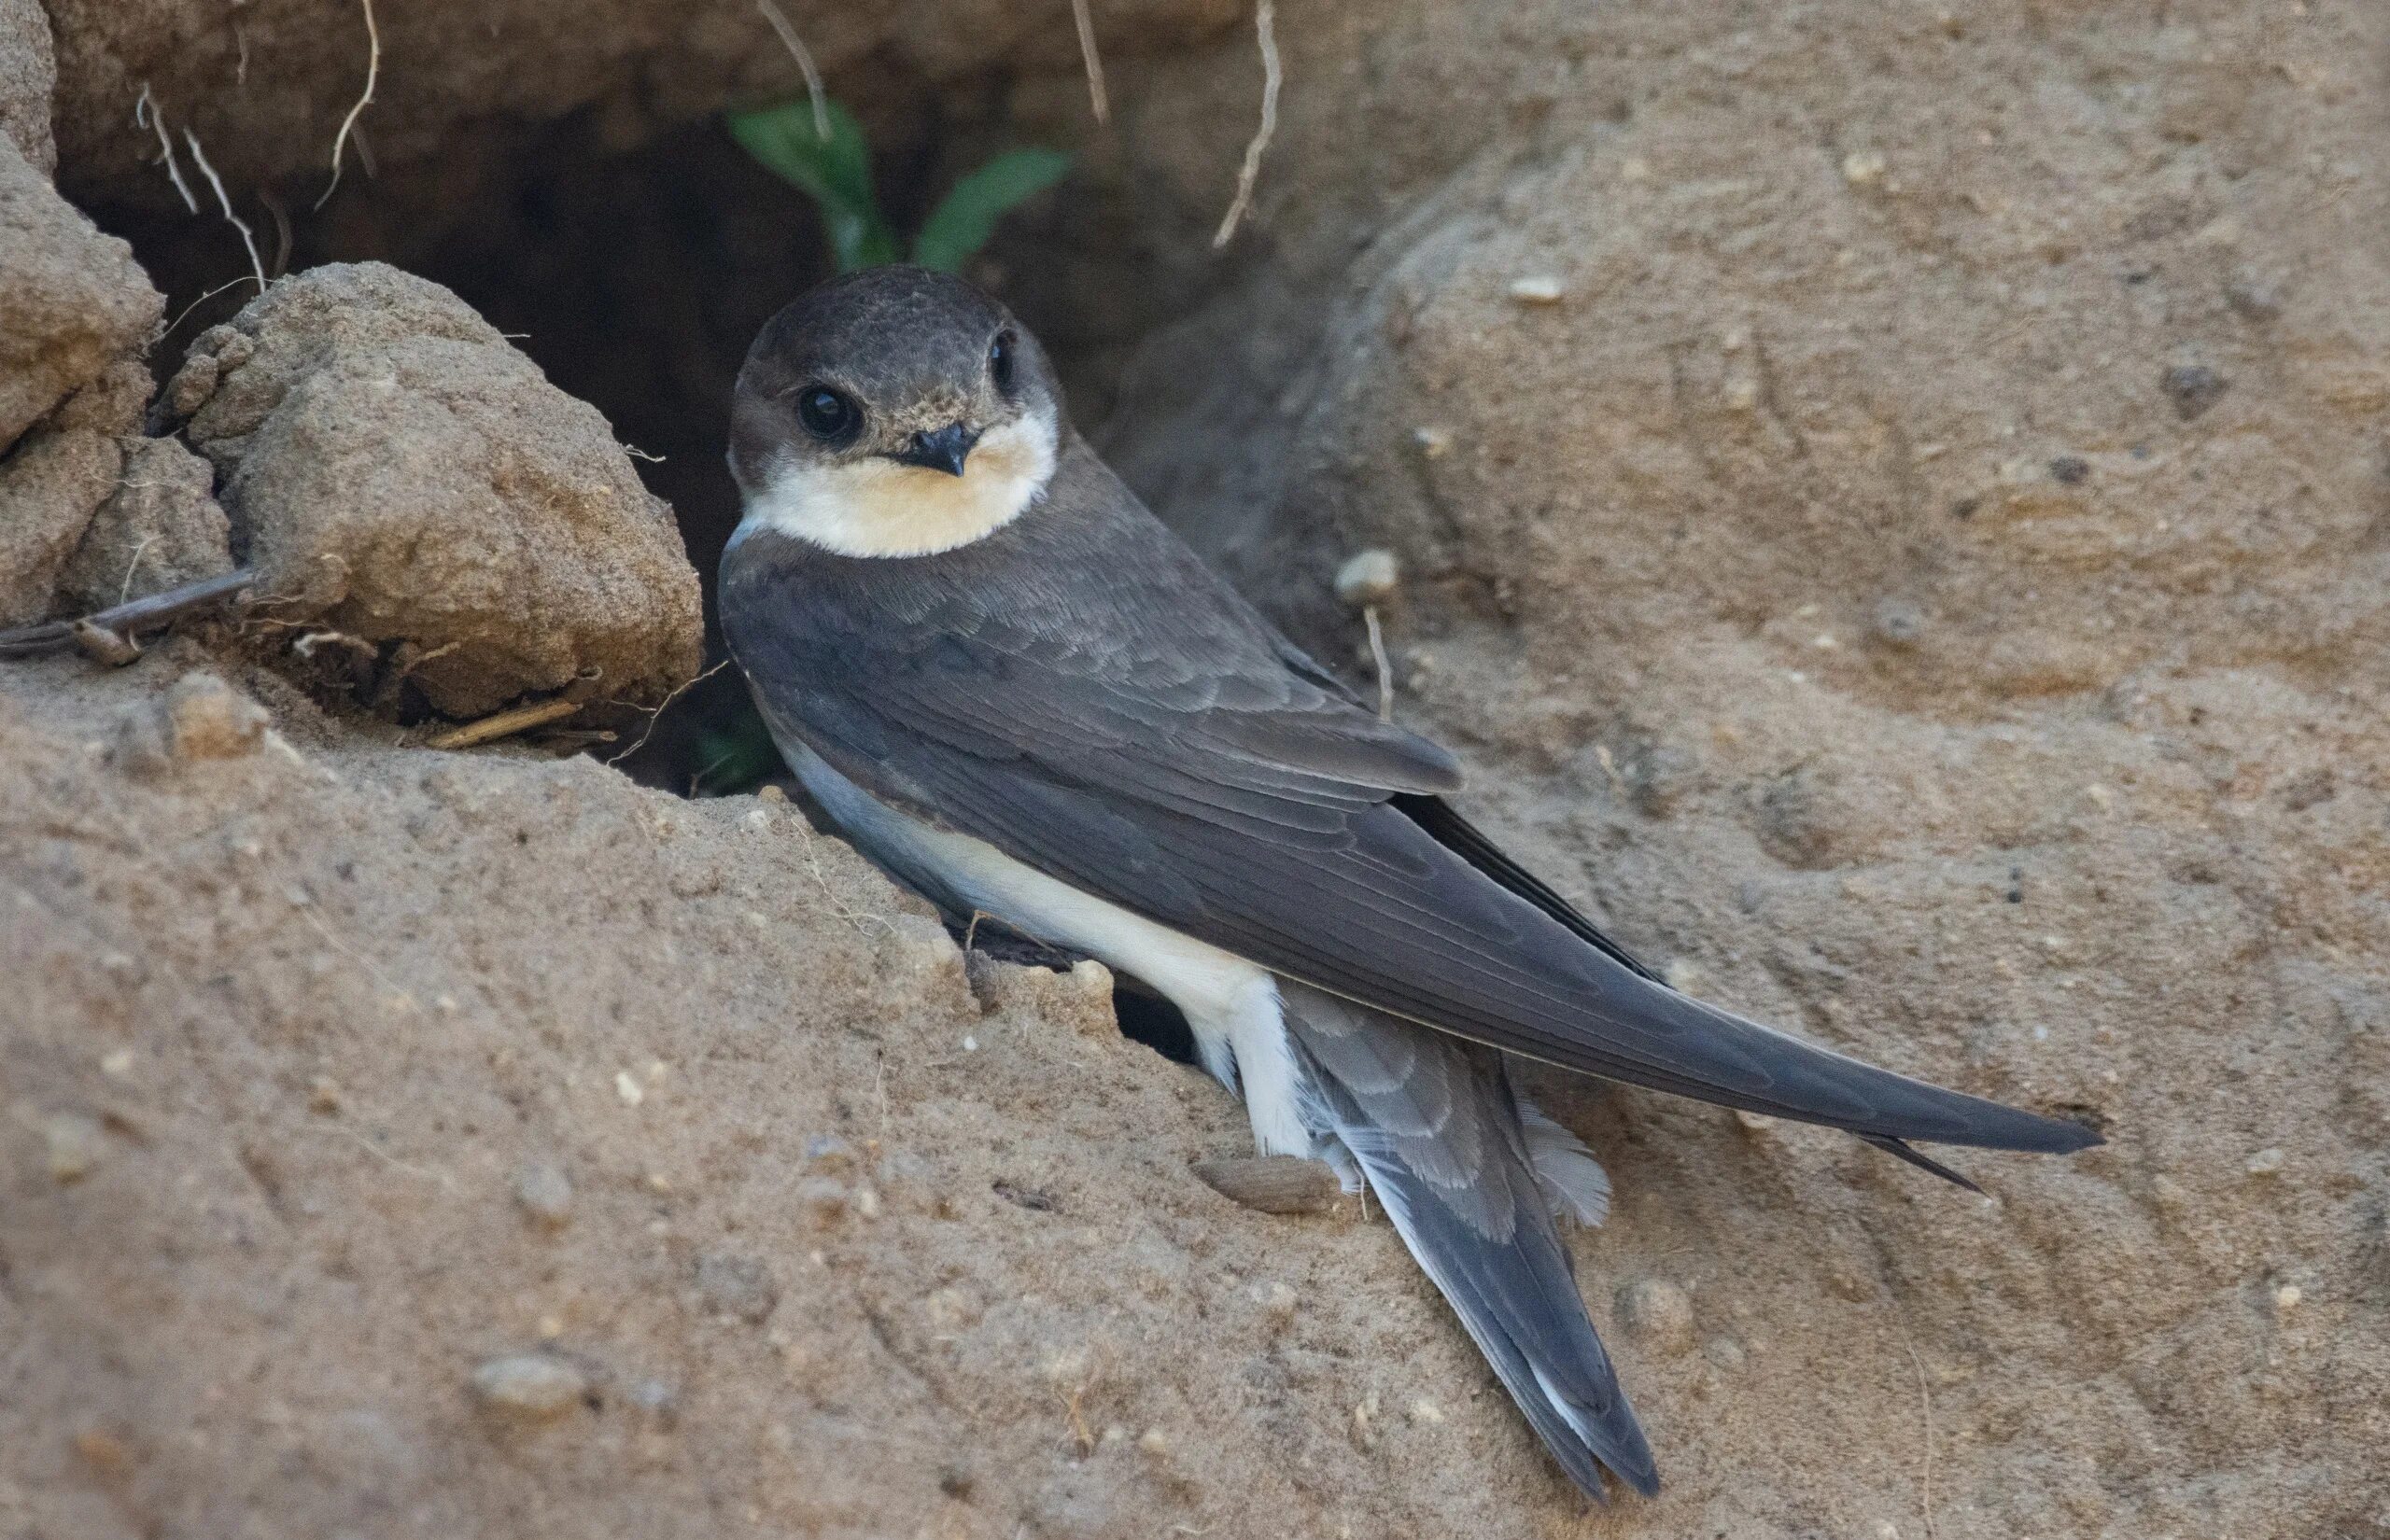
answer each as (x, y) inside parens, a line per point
(1436, 1130)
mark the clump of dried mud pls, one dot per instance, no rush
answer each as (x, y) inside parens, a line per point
(402, 1141)
(402, 479)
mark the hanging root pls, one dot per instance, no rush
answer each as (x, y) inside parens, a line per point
(348, 124)
(1251, 171)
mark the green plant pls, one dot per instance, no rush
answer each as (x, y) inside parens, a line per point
(834, 171)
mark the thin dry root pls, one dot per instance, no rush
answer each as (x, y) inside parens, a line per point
(805, 67)
(1096, 99)
(1251, 171)
(348, 124)
(224, 202)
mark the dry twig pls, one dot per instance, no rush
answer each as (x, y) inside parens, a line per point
(1251, 171)
(125, 621)
(505, 724)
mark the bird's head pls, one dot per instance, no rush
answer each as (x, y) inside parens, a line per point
(892, 412)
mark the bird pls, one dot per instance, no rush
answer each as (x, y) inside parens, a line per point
(1019, 693)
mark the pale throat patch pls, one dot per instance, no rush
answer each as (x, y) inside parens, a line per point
(876, 507)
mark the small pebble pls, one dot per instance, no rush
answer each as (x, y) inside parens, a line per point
(2265, 1162)
(323, 1095)
(535, 1387)
(544, 1193)
(2252, 301)
(75, 1143)
(829, 1153)
(1864, 168)
(116, 1064)
(1424, 1412)
(1540, 289)
(101, 1450)
(1277, 1301)
(1898, 623)
(1658, 1313)
(2070, 471)
(823, 1198)
(738, 1286)
(2288, 1296)
(626, 1085)
(2193, 388)
(1273, 1185)
(1434, 443)
(1368, 578)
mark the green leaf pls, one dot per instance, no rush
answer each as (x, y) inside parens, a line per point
(835, 173)
(736, 755)
(964, 220)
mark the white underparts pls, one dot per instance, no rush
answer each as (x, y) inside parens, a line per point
(873, 506)
(1231, 1006)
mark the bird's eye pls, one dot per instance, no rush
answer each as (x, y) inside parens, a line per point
(1000, 361)
(827, 414)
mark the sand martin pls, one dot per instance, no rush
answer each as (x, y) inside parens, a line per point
(1019, 693)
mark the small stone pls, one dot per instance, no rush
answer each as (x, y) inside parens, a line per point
(2070, 471)
(1273, 1185)
(1865, 168)
(740, 1286)
(102, 1451)
(2252, 301)
(656, 1399)
(1659, 1313)
(829, 1153)
(952, 1309)
(626, 1085)
(1538, 289)
(544, 1193)
(200, 718)
(534, 1387)
(1434, 443)
(1684, 975)
(323, 1095)
(824, 1200)
(76, 1145)
(1368, 578)
(1423, 1412)
(2193, 388)
(1277, 1301)
(2287, 1297)
(2265, 1162)
(117, 1063)
(1897, 623)
(1154, 1441)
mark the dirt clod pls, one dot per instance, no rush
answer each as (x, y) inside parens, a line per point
(400, 474)
(533, 1387)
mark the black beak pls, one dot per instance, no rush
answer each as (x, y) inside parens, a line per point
(943, 450)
